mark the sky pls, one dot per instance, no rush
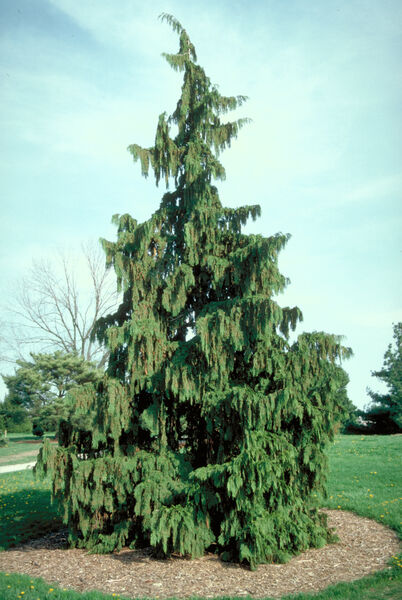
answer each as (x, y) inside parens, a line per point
(80, 81)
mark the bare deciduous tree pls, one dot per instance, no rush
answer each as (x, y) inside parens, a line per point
(57, 305)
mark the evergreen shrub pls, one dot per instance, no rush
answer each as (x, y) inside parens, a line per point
(37, 430)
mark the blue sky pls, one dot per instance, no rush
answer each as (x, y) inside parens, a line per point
(322, 156)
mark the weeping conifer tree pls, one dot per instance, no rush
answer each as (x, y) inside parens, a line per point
(209, 428)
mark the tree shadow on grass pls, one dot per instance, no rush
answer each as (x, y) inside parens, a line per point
(25, 518)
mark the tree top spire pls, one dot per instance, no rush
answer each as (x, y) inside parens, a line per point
(186, 47)
(193, 154)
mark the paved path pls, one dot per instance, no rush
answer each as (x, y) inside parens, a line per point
(12, 468)
(28, 455)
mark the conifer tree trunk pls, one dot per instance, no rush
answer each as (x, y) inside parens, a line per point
(209, 429)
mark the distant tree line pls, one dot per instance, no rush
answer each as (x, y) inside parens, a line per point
(383, 415)
(47, 335)
(38, 391)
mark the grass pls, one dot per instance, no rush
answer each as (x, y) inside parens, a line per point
(19, 443)
(26, 437)
(22, 587)
(365, 477)
(25, 509)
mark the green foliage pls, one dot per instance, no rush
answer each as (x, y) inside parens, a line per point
(15, 418)
(357, 463)
(385, 413)
(37, 430)
(349, 416)
(210, 426)
(37, 390)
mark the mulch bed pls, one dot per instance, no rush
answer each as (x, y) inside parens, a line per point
(364, 547)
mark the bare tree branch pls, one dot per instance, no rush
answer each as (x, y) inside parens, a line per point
(57, 305)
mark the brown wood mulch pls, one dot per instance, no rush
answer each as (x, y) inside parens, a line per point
(364, 547)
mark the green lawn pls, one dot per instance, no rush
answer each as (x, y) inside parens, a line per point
(25, 437)
(25, 508)
(20, 444)
(365, 476)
